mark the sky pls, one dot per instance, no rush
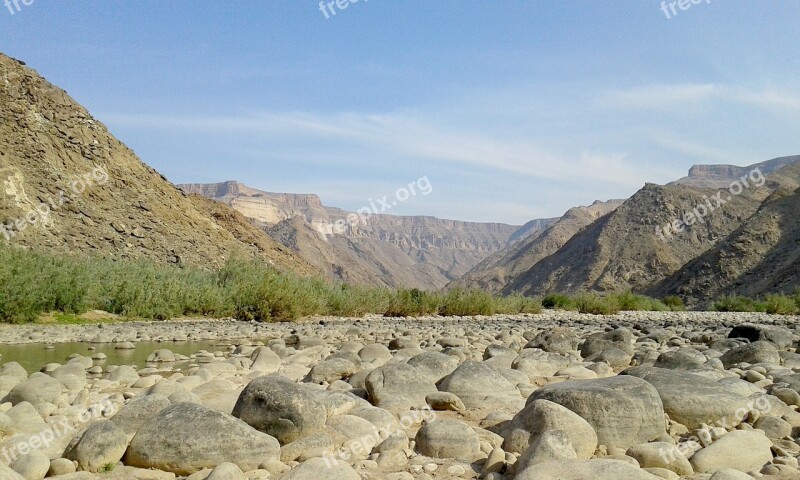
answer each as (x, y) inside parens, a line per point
(511, 110)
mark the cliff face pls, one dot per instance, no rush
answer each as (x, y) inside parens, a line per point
(414, 251)
(85, 192)
(721, 176)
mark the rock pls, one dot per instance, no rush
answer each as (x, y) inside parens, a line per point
(480, 386)
(375, 354)
(331, 370)
(624, 411)
(556, 340)
(226, 471)
(319, 468)
(687, 398)
(124, 374)
(448, 439)
(621, 338)
(434, 365)
(139, 411)
(550, 446)
(445, 401)
(538, 363)
(61, 466)
(39, 388)
(541, 416)
(312, 446)
(398, 387)
(585, 470)
(8, 474)
(661, 455)
(281, 408)
(756, 352)
(161, 356)
(729, 474)
(774, 427)
(100, 444)
(185, 438)
(265, 360)
(614, 357)
(738, 450)
(780, 336)
(680, 360)
(33, 466)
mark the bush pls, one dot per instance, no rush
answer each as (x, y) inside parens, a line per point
(674, 303)
(780, 305)
(412, 303)
(558, 302)
(734, 303)
(460, 302)
(596, 305)
(517, 304)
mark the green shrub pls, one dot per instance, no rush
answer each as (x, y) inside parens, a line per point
(779, 305)
(412, 303)
(517, 304)
(596, 305)
(734, 303)
(558, 302)
(460, 302)
(674, 303)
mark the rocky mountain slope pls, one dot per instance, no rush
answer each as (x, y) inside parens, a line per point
(762, 256)
(504, 267)
(412, 251)
(721, 176)
(68, 186)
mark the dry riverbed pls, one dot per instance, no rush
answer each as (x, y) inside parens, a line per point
(639, 395)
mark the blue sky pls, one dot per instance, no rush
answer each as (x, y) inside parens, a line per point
(514, 110)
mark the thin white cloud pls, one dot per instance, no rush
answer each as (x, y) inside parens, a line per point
(675, 96)
(408, 135)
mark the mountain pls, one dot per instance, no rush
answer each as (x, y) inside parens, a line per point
(410, 251)
(762, 256)
(504, 267)
(721, 176)
(69, 186)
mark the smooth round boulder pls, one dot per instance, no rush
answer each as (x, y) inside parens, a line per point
(448, 439)
(399, 386)
(100, 444)
(541, 416)
(585, 470)
(740, 450)
(624, 411)
(39, 388)
(186, 438)
(480, 386)
(322, 468)
(281, 408)
(756, 352)
(33, 466)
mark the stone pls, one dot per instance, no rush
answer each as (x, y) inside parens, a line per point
(38, 388)
(448, 439)
(624, 411)
(185, 438)
(319, 468)
(139, 411)
(541, 416)
(398, 387)
(480, 386)
(621, 338)
(585, 470)
(781, 337)
(226, 471)
(738, 450)
(100, 444)
(687, 398)
(33, 466)
(661, 455)
(445, 401)
(556, 340)
(756, 352)
(434, 365)
(281, 408)
(550, 446)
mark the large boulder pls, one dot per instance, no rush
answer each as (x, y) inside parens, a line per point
(187, 437)
(782, 337)
(434, 365)
(585, 470)
(538, 363)
(280, 407)
(692, 400)
(623, 410)
(7, 474)
(756, 352)
(738, 450)
(265, 360)
(139, 411)
(39, 388)
(480, 386)
(542, 416)
(322, 468)
(621, 338)
(556, 340)
(100, 444)
(448, 439)
(399, 386)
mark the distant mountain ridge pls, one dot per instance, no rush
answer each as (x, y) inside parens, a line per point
(412, 251)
